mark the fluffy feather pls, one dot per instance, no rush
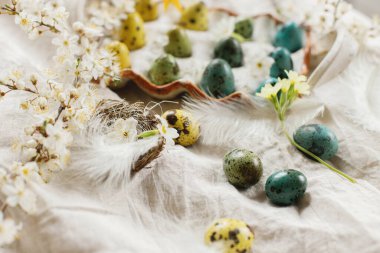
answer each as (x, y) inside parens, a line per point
(237, 122)
(106, 161)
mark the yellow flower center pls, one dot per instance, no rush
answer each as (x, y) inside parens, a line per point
(24, 21)
(125, 134)
(25, 171)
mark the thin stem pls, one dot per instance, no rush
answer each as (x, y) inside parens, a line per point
(148, 134)
(60, 110)
(291, 140)
(13, 88)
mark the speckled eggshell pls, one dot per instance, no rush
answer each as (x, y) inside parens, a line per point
(282, 61)
(132, 31)
(148, 9)
(285, 187)
(186, 126)
(235, 235)
(290, 36)
(242, 167)
(244, 28)
(195, 17)
(318, 139)
(230, 50)
(179, 43)
(164, 70)
(218, 79)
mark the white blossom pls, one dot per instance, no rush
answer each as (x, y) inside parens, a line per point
(124, 130)
(17, 194)
(80, 59)
(259, 63)
(108, 14)
(9, 231)
(66, 43)
(28, 171)
(165, 131)
(58, 139)
(89, 31)
(25, 21)
(28, 153)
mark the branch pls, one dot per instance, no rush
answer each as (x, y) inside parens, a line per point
(13, 88)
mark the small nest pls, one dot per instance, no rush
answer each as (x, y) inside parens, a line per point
(108, 111)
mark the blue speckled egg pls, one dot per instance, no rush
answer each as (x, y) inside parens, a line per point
(318, 139)
(230, 50)
(242, 167)
(270, 80)
(218, 79)
(290, 36)
(285, 187)
(282, 61)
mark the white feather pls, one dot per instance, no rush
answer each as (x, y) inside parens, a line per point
(107, 163)
(236, 122)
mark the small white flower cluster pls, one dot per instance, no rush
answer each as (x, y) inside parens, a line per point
(37, 16)
(260, 62)
(62, 97)
(327, 14)
(80, 58)
(108, 14)
(297, 11)
(285, 92)
(321, 15)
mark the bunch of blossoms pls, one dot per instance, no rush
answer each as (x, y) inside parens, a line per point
(281, 96)
(37, 16)
(326, 15)
(62, 98)
(109, 14)
(288, 10)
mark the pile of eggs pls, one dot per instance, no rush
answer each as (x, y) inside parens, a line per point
(218, 79)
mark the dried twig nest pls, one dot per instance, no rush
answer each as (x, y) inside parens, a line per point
(108, 111)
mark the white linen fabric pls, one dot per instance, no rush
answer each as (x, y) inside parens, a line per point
(167, 206)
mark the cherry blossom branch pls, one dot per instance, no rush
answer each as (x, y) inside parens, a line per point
(14, 88)
(14, 12)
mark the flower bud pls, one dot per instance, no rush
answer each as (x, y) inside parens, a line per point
(31, 143)
(29, 130)
(24, 105)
